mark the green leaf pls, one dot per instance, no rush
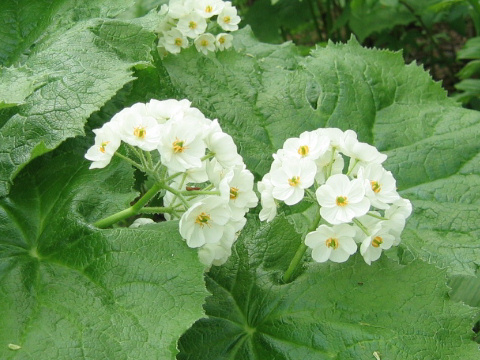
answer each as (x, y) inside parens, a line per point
(264, 94)
(79, 70)
(26, 21)
(70, 291)
(331, 311)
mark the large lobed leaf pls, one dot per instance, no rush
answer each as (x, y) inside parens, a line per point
(331, 311)
(70, 291)
(72, 67)
(264, 94)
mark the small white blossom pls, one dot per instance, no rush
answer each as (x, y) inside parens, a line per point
(181, 145)
(192, 25)
(164, 110)
(380, 185)
(342, 199)
(291, 179)
(223, 41)
(332, 243)
(361, 154)
(205, 43)
(228, 18)
(141, 222)
(269, 206)
(174, 41)
(205, 221)
(179, 8)
(310, 145)
(136, 128)
(222, 145)
(208, 8)
(218, 253)
(372, 246)
(107, 141)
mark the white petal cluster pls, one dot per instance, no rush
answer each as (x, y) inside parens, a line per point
(357, 197)
(203, 23)
(207, 184)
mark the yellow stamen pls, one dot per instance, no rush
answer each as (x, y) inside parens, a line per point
(178, 146)
(294, 181)
(204, 42)
(192, 25)
(227, 19)
(178, 42)
(203, 219)
(221, 40)
(303, 150)
(103, 145)
(208, 9)
(140, 132)
(332, 243)
(233, 193)
(376, 187)
(377, 241)
(342, 201)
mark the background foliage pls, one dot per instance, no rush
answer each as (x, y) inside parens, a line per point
(75, 292)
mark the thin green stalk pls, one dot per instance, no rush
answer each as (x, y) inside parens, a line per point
(132, 210)
(130, 161)
(330, 164)
(361, 226)
(178, 193)
(376, 216)
(156, 210)
(297, 258)
(475, 15)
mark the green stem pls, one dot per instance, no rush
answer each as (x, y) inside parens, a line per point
(156, 210)
(330, 164)
(208, 156)
(177, 193)
(300, 251)
(199, 192)
(132, 210)
(476, 15)
(361, 226)
(130, 161)
(376, 216)
(353, 167)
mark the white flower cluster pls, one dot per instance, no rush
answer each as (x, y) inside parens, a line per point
(357, 197)
(187, 21)
(206, 182)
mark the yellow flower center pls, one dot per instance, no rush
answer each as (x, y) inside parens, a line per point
(377, 241)
(178, 146)
(294, 181)
(192, 25)
(221, 40)
(342, 201)
(233, 193)
(178, 42)
(140, 132)
(332, 243)
(376, 187)
(208, 9)
(203, 219)
(204, 42)
(226, 19)
(103, 145)
(303, 150)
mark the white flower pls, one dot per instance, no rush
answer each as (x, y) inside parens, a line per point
(222, 145)
(323, 166)
(137, 128)
(192, 25)
(380, 239)
(361, 154)
(219, 252)
(228, 18)
(174, 41)
(164, 110)
(208, 8)
(397, 214)
(223, 41)
(179, 8)
(205, 43)
(310, 145)
(332, 243)
(341, 199)
(141, 221)
(336, 136)
(269, 206)
(240, 189)
(205, 221)
(181, 146)
(291, 179)
(380, 185)
(107, 142)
